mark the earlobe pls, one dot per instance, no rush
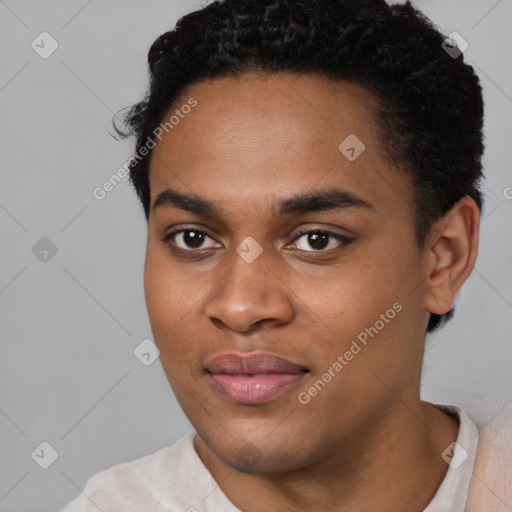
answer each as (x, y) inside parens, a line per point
(453, 248)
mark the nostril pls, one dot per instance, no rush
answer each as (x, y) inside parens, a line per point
(217, 323)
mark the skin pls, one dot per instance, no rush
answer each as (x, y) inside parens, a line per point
(366, 441)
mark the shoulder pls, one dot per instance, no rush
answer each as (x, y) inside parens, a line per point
(143, 482)
(491, 485)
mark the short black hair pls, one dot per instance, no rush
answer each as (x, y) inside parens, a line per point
(430, 102)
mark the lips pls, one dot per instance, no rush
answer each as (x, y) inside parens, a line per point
(251, 364)
(252, 378)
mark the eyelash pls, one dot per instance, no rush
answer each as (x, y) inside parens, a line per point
(344, 240)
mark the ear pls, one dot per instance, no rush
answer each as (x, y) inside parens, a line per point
(451, 254)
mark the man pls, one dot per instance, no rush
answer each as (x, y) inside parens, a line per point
(313, 209)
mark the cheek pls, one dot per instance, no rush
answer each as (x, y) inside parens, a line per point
(166, 297)
(380, 297)
(174, 302)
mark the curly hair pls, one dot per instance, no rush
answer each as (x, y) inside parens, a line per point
(430, 103)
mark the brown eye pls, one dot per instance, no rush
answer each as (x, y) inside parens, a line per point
(189, 239)
(320, 241)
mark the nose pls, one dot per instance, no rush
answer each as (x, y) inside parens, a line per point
(249, 296)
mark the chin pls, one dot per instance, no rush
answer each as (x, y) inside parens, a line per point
(251, 456)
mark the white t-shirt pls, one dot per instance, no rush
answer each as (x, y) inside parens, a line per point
(174, 479)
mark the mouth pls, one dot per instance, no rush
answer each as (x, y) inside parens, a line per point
(252, 379)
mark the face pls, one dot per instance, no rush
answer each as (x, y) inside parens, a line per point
(254, 262)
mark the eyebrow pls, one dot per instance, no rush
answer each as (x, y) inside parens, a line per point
(315, 201)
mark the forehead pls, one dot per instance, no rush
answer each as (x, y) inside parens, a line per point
(294, 108)
(253, 137)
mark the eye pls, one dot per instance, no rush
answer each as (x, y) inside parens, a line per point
(320, 241)
(189, 239)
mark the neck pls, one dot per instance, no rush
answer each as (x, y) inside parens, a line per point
(395, 464)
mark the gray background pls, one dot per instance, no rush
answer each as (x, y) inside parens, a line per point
(69, 325)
